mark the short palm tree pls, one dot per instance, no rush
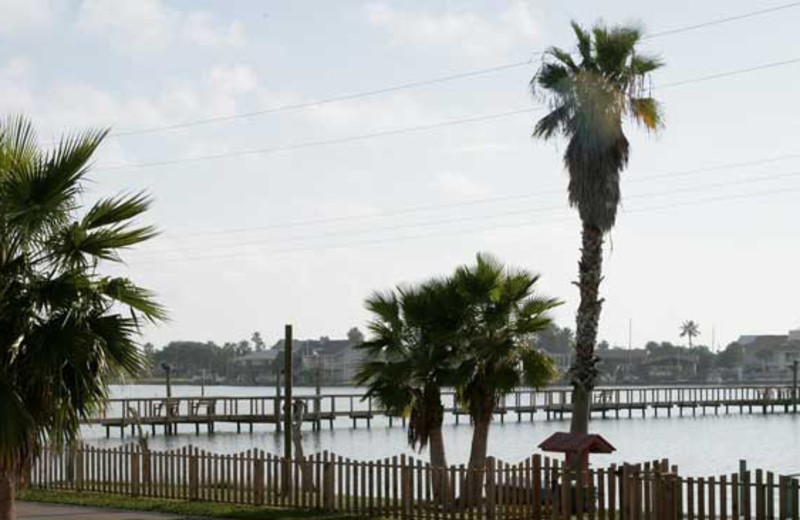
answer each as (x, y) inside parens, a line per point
(65, 330)
(690, 329)
(589, 98)
(497, 357)
(410, 357)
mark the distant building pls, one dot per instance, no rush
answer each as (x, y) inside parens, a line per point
(769, 357)
(618, 365)
(259, 366)
(672, 367)
(336, 360)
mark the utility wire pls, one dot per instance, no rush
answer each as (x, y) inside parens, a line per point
(324, 142)
(472, 218)
(481, 201)
(426, 82)
(409, 129)
(450, 233)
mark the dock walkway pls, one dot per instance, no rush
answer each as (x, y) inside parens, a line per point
(203, 413)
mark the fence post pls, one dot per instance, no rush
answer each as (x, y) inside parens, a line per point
(69, 454)
(327, 477)
(79, 469)
(742, 471)
(194, 477)
(146, 469)
(491, 492)
(135, 472)
(405, 486)
(258, 477)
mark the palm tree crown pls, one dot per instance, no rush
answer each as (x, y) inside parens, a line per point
(690, 329)
(411, 353)
(588, 100)
(66, 330)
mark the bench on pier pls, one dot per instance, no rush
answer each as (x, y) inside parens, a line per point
(365, 415)
(522, 410)
(169, 406)
(458, 412)
(210, 406)
(604, 397)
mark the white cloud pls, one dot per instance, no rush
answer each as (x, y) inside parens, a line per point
(15, 94)
(475, 34)
(147, 25)
(20, 16)
(234, 79)
(201, 28)
(456, 187)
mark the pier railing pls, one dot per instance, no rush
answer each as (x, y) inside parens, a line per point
(553, 402)
(403, 487)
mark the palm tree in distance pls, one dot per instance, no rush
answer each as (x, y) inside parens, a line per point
(589, 99)
(690, 329)
(410, 357)
(66, 330)
(504, 314)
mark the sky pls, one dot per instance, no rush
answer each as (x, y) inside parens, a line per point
(296, 215)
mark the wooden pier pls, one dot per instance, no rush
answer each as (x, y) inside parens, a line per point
(553, 403)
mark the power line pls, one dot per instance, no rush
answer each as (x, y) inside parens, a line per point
(425, 82)
(326, 101)
(325, 142)
(462, 219)
(483, 201)
(530, 223)
(411, 129)
(729, 73)
(720, 21)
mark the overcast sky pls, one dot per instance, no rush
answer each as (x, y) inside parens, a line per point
(302, 236)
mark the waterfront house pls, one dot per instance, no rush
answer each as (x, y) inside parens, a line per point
(769, 357)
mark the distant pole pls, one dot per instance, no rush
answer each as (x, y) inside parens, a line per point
(278, 408)
(287, 407)
(203, 383)
(630, 333)
(168, 369)
(630, 344)
(794, 386)
(317, 401)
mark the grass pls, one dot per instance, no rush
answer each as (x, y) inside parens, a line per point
(176, 507)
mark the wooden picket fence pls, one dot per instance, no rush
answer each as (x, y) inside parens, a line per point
(403, 487)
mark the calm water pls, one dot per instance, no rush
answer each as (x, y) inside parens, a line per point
(702, 445)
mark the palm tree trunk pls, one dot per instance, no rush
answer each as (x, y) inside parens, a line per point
(441, 482)
(477, 457)
(7, 489)
(584, 371)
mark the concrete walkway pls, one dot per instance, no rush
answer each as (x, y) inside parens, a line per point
(37, 511)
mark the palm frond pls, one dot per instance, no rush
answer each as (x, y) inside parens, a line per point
(584, 46)
(557, 120)
(78, 246)
(647, 112)
(116, 210)
(563, 57)
(613, 49)
(124, 291)
(642, 65)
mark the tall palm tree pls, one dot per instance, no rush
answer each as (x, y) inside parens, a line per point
(690, 329)
(65, 329)
(410, 357)
(589, 98)
(504, 313)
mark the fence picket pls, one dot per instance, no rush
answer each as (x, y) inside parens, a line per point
(405, 487)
